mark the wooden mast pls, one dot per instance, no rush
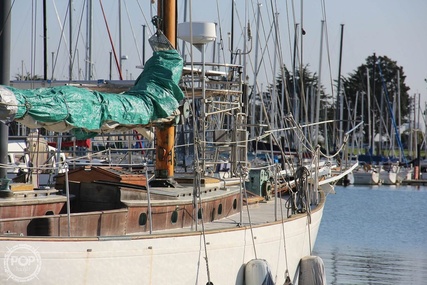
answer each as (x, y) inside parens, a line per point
(165, 133)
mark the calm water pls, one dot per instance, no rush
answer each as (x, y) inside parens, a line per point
(374, 235)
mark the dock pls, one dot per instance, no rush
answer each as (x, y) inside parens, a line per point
(414, 182)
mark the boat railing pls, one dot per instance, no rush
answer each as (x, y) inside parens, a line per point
(220, 79)
(218, 88)
(116, 148)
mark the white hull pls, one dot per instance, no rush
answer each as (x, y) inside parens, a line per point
(362, 177)
(170, 258)
(388, 178)
(404, 174)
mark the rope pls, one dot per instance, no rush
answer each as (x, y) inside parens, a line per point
(145, 18)
(221, 41)
(303, 139)
(243, 172)
(62, 28)
(316, 163)
(301, 183)
(133, 33)
(198, 172)
(284, 237)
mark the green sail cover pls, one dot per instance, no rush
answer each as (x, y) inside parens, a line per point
(155, 95)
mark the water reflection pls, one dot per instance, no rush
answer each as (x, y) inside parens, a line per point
(374, 235)
(363, 266)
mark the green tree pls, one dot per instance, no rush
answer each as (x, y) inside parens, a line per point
(383, 88)
(309, 83)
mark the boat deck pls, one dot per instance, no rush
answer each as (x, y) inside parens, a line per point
(257, 214)
(254, 213)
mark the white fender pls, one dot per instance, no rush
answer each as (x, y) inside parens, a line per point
(257, 272)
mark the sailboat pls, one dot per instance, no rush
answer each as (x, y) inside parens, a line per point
(104, 225)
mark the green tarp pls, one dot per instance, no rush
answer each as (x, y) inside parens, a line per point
(155, 95)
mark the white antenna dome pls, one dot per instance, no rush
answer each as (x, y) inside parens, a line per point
(203, 32)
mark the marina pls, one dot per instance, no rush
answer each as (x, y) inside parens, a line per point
(216, 165)
(224, 219)
(374, 235)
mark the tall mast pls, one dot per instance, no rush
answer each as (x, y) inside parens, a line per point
(165, 133)
(295, 99)
(70, 67)
(340, 99)
(401, 154)
(45, 40)
(319, 82)
(5, 28)
(303, 107)
(120, 37)
(368, 98)
(374, 96)
(232, 33)
(89, 26)
(255, 89)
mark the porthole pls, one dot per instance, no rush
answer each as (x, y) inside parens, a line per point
(49, 213)
(174, 217)
(143, 219)
(199, 214)
(235, 204)
(219, 209)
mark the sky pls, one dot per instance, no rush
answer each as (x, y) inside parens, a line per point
(392, 28)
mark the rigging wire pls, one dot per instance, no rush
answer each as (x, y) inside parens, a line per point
(197, 170)
(243, 172)
(62, 28)
(147, 22)
(277, 53)
(284, 90)
(288, 28)
(265, 50)
(323, 5)
(221, 41)
(284, 237)
(33, 38)
(132, 32)
(111, 41)
(77, 41)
